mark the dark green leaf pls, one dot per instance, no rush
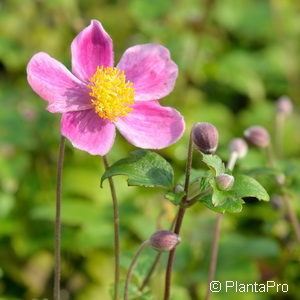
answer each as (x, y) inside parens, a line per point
(143, 168)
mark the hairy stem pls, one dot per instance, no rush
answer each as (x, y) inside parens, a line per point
(57, 250)
(279, 125)
(179, 218)
(116, 232)
(131, 267)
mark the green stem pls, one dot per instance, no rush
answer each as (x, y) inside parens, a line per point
(150, 272)
(217, 230)
(116, 232)
(194, 199)
(232, 160)
(131, 267)
(214, 254)
(179, 218)
(279, 125)
(280, 181)
(57, 250)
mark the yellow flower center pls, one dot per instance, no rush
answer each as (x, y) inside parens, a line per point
(111, 94)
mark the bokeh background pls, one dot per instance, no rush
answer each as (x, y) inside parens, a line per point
(235, 59)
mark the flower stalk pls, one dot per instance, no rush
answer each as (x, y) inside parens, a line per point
(57, 246)
(214, 254)
(116, 231)
(179, 218)
(280, 181)
(131, 267)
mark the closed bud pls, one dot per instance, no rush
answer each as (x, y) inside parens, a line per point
(205, 137)
(178, 189)
(224, 182)
(284, 105)
(164, 240)
(276, 202)
(258, 136)
(239, 146)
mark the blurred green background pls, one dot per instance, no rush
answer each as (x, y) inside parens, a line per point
(235, 57)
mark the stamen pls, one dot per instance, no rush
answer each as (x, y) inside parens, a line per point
(111, 94)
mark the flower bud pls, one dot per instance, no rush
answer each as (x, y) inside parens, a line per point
(206, 137)
(239, 146)
(276, 202)
(178, 189)
(258, 136)
(164, 240)
(224, 182)
(284, 105)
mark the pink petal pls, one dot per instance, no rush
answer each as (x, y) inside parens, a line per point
(88, 132)
(151, 126)
(52, 81)
(150, 69)
(92, 47)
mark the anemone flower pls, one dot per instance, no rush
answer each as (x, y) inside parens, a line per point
(96, 98)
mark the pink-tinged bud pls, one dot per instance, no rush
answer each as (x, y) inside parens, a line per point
(239, 146)
(284, 105)
(206, 137)
(224, 182)
(258, 136)
(164, 240)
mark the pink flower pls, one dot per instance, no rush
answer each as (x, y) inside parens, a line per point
(97, 97)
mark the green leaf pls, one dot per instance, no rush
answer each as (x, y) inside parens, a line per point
(195, 175)
(205, 183)
(231, 201)
(175, 198)
(231, 205)
(214, 163)
(219, 197)
(143, 168)
(245, 186)
(262, 171)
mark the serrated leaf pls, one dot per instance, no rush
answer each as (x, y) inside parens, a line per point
(245, 186)
(143, 168)
(214, 163)
(175, 198)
